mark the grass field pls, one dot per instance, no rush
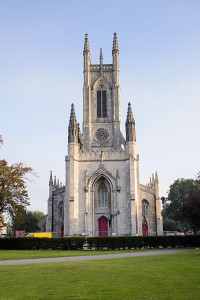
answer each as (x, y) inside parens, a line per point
(23, 254)
(174, 276)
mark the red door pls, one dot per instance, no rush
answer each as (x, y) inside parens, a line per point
(144, 230)
(103, 226)
(62, 230)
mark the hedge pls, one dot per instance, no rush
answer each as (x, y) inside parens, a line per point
(100, 243)
(42, 243)
(138, 242)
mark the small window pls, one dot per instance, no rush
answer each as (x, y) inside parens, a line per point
(101, 104)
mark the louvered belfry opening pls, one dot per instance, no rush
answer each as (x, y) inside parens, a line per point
(101, 104)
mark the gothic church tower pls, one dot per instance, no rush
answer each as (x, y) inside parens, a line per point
(101, 101)
(103, 196)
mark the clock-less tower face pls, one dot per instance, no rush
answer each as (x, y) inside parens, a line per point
(101, 114)
(101, 117)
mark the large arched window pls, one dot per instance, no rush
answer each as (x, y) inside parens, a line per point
(145, 208)
(102, 195)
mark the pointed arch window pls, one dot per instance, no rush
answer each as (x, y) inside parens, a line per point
(102, 195)
(101, 104)
(61, 211)
(145, 208)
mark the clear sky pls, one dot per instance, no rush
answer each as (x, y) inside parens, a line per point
(41, 65)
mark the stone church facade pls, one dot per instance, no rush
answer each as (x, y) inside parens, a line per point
(102, 195)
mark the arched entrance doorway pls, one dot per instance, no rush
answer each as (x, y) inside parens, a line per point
(144, 230)
(103, 226)
(102, 207)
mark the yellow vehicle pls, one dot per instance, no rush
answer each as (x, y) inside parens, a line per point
(40, 234)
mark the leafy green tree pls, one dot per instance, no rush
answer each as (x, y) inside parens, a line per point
(28, 221)
(13, 191)
(38, 214)
(172, 215)
(190, 208)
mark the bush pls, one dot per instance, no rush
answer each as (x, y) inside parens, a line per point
(100, 243)
(138, 242)
(42, 243)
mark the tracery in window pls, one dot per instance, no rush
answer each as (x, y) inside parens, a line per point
(145, 208)
(101, 104)
(102, 195)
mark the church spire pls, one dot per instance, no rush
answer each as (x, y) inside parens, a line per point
(156, 177)
(79, 136)
(86, 44)
(130, 125)
(72, 128)
(51, 179)
(101, 60)
(115, 54)
(87, 63)
(115, 43)
(54, 183)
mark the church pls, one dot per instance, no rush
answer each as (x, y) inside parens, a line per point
(102, 195)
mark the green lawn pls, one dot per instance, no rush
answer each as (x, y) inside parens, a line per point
(22, 254)
(174, 276)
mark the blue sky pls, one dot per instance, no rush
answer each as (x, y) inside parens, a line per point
(41, 75)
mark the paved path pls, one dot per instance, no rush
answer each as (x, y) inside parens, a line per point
(90, 257)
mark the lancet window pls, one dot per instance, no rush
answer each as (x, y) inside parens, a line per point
(61, 211)
(145, 208)
(102, 195)
(101, 104)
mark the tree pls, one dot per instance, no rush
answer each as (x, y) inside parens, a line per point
(28, 221)
(172, 216)
(38, 214)
(1, 216)
(170, 225)
(13, 190)
(190, 208)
